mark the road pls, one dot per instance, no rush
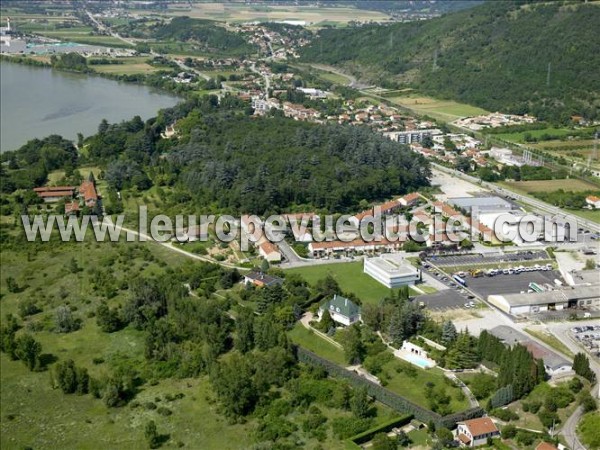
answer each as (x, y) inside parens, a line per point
(101, 27)
(541, 206)
(562, 331)
(265, 76)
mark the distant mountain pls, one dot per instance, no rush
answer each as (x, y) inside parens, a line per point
(522, 57)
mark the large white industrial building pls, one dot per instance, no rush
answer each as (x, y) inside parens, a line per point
(392, 270)
(557, 300)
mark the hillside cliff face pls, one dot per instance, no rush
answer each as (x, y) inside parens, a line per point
(497, 55)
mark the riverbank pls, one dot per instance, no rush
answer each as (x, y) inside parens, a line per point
(155, 79)
(37, 102)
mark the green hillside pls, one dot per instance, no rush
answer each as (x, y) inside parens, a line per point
(202, 36)
(495, 56)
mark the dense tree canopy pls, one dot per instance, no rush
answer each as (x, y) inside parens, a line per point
(496, 56)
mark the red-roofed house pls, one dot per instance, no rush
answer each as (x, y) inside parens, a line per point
(72, 207)
(52, 194)
(87, 192)
(269, 251)
(593, 201)
(410, 199)
(545, 446)
(475, 432)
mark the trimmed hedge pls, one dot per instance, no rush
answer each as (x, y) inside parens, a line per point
(366, 436)
(385, 396)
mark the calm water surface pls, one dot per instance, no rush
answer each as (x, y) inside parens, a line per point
(36, 102)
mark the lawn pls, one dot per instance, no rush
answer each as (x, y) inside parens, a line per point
(551, 340)
(445, 110)
(350, 277)
(410, 383)
(130, 66)
(419, 438)
(589, 430)
(310, 341)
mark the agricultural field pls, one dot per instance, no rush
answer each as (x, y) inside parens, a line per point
(539, 186)
(444, 110)
(350, 277)
(130, 66)
(309, 14)
(519, 136)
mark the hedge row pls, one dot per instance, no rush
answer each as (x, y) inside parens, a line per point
(366, 436)
(385, 396)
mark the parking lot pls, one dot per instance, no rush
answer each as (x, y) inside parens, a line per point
(443, 300)
(588, 336)
(462, 260)
(510, 284)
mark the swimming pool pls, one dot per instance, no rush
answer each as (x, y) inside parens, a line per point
(417, 360)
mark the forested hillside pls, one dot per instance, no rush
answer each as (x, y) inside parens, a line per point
(225, 160)
(206, 35)
(496, 56)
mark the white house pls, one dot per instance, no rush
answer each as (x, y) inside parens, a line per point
(475, 432)
(341, 310)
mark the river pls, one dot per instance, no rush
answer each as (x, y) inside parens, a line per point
(36, 102)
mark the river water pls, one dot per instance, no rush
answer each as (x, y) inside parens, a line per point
(37, 101)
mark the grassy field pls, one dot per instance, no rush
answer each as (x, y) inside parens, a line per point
(550, 340)
(350, 277)
(243, 13)
(35, 415)
(530, 187)
(519, 137)
(413, 387)
(310, 341)
(573, 184)
(130, 66)
(589, 430)
(444, 110)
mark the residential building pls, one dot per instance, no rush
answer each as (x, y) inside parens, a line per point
(392, 270)
(269, 251)
(412, 136)
(72, 208)
(410, 199)
(261, 279)
(475, 432)
(593, 201)
(88, 193)
(341, 310)
(52, 194)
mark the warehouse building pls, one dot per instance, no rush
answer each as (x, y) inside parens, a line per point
(483, 204)
(392, 270)
(557, 300)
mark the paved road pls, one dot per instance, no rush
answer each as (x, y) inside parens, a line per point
(538, 204)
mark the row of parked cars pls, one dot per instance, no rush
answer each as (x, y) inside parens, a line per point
(516, 270)
(589, 336)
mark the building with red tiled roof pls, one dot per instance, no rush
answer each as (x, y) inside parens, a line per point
(87, 192)
(475, 432)
(72, 207)
(269, 251)
(546, 446)
(410, 199)
(52, 194)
